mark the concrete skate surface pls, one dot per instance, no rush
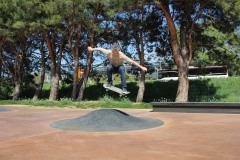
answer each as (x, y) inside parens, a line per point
(26, 134)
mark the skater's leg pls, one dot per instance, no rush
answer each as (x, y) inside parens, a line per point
(109, 73)
(122, 72)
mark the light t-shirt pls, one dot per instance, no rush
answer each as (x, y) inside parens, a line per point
(116, 61)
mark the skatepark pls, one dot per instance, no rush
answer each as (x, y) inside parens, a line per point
(119, 80)
(28, 133)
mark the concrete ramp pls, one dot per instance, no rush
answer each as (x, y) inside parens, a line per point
(106, 120)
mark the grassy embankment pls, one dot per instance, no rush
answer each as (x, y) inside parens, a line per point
(205, 90)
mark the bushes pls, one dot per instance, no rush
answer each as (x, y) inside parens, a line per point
(203, 90)
(6, 89)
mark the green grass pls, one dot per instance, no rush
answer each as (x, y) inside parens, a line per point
(95, 96)
(105, 102)
(227, 90)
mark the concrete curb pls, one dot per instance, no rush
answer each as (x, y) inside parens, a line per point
(196, 107)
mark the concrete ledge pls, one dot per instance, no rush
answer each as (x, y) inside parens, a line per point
(196, 107)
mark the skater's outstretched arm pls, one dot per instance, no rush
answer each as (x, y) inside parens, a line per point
(96, 49)
(144, 69)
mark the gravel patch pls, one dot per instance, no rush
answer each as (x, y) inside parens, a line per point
(106, 120)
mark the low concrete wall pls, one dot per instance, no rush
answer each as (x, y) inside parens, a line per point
(196, 107)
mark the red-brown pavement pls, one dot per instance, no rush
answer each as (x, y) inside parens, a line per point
(25, 134)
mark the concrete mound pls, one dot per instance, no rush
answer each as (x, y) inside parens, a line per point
(4, 109)
(106, 120)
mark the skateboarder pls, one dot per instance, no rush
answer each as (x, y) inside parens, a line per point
(116, 58)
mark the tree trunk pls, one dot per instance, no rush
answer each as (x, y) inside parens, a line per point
(16, 73)
(54, 87)
(141, 89)
(90, 57)
(1, 46)
(179, 58)
(42, 77)
(86, 71)
(55, 65)
(17, 90)
(85, 77)
(75, 51)
(183, 84)
(75, 79)
(40, 85)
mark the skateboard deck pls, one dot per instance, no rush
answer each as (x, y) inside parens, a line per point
(116, 89)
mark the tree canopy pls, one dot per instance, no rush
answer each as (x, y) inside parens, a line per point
(207, 33)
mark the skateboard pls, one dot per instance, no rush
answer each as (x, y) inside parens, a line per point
(116, 89)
